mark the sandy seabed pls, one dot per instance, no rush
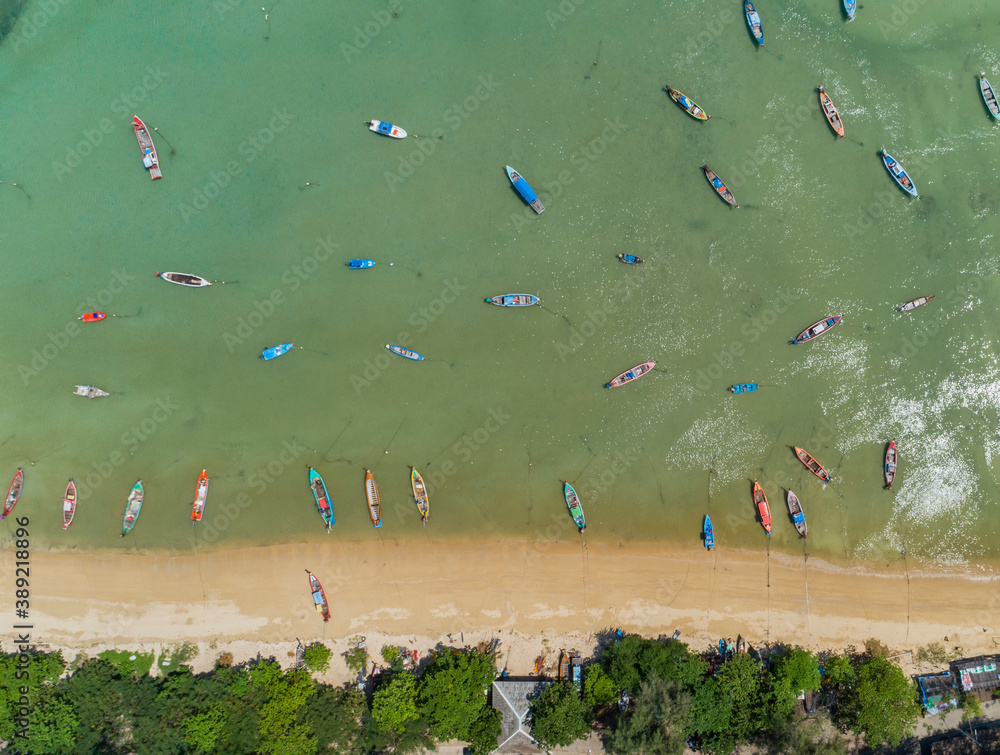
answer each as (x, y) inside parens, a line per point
(534, 596)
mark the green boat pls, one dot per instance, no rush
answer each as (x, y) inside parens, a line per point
(132, 508)
(321, 497)
(575, 509)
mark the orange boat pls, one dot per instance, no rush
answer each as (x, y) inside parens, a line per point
(92, 316)
(69, 504)
(760, 501)
(830, 111)
(371, 492)
(812, 465)
(200, 494)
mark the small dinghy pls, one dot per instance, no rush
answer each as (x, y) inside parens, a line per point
(719, 186)
(513, 300)
(890, 464)
(989, 97)
(274, 352)
(630, 259)
(360, 264)
(817, 329)
(132, 508)
(899, 175)
(743, 388)
(319, 596)
(689, 107)
(575, 509)
(914, 303)
(709, 533)
(92, 317)
(831, 112)
(526, 192)
(763, 510)
(798, 517)
(386, 129)
(69, 504)
(629, 375)
(200, 497)
(753, 21)
(185, 279)
(13, 493)
(89, 391)
(371, 494)
(149, 159)
(405, 353)
(811, 464)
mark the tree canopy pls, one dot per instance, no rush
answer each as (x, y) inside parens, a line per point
(881, 703)
(559, 716)
(453, 691)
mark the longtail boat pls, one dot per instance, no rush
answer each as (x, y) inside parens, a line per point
(798, 516)
(850, 8)
(513, 300)
(719, 186)
(360, 264)
(526, 192)
(989, 97)
(273, 352)
(371, 493)
(13, 493)
(405, 353)
(914, 303)
(890, 464)
(811, 464)
(185, 279)
(743, 388)
(709, 533)
(319, 597)
(89, 391)
(69, 504)
(760, 501)
(200, 496)
(753, 21)
(132, 508)
(420, 495)
(575, 509)
(93, 316)
(149, 159)
(689, 106)
(321, 497)
(817, 329)
(629, 375)
(831, 113)
(899, 175)
(630, 259)
(386, 129)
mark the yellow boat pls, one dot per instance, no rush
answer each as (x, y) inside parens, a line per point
(420, 494)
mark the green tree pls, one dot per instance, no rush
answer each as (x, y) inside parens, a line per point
(317, 658)
(799, 668)
(453, 692)
(33, 671)
(710, 713)
(633, 659)
(395, 703)
(357, 659)
(839, 670)
(656, 723)
(51, 725)
(202, 730)
(559, 716)
(971, 708)
(485, 732)
(334, 716)
(599, 689)
(881, 702)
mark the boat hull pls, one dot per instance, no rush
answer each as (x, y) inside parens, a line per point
(69, 504)
(92, 317)
(513, 300)
(708, 533)
(387, 129)
(405, 353)
(798, 516)
(420, 495)
(720, 187)
(753, 21)
(132, 508)
(630, 259)
(89, 391)
(850, 8)
(360, 264)
(276, 351)
(763, 510)
(687, 104)
(526, 192)
(743, 388)
(811, 464)
(900, 176)
(319, 597)
(989, 96)
(889, 467)
(914, 303)
(149, 159)
(575, 509)
(831, 113)
(629, 375)
(13, 493)
(185, 279)
(371, 494)
(817, 329)
(200, 497)
(321, 497)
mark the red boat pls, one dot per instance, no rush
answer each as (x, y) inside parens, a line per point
(629, 375)
(830, 111)
(69, 504)
(13, 493)
(760, 501)
(890, 464)
(319, 597)
(92, 316)
(200, 494)
(812, 465)
(149, 158)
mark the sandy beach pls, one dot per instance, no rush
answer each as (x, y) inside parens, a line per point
(533, 596)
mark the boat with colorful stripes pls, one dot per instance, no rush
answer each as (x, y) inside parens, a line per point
(420, 495)
(319, 596)
(811, 464)
(575, 509)
(371, 494)
(200, 497)
(629, 375)
(763, 510)
(132, 508)
(321, 497)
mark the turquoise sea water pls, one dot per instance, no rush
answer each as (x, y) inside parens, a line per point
(272, 182)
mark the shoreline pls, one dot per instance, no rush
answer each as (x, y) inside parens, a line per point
(532, 595)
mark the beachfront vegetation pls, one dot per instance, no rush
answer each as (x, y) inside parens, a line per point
(559, 716)
(357, 659)
(316, 657)
(395, 703)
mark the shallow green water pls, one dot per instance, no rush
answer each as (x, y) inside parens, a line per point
(510, 402)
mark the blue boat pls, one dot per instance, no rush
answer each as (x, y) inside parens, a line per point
(524, 190)
(753, 21)
(359, 264)
(322, 497)
(630, 259)
(513, 300)
(275, 351)
(405, 353)
(709, 533)
(850, 7)
(898, 174)
(743, 388)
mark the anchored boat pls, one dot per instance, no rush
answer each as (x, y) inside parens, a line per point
(914, 303)
(689, 107)
(319, 596)
(817, 329)
(200, 496)
(420, 495)
(132, 508)
(753, 21)
(185, 279)
(831, 113)
(811, 464)
(386, 129)
(575, 509)
(69, 504)
(798, 516)
(630, 259)
(360, 264)
(719, 186)
(899, 175)
(149, 159)
(743, 388)
(513, 300)
(405, 353)
(709, 533)
(989, 96)
(89, 391)
(526, 192)
(13, 493)
(850, 8)
(93, 316)
(763, 510)
(371, 493)
(273, 352)
(321, 497)
(890, 464)
(629, 375)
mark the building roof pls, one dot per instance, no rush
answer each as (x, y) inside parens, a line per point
(978, 673)
(512, 699)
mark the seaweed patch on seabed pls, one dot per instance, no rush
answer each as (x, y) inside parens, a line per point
(10, 11)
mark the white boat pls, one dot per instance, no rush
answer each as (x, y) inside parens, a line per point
(386, 129)
(89, 391)
(185, 279)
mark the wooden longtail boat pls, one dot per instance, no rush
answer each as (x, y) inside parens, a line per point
(890, 464)
(741, 644)
(371, 493)
(386, 129)
(420, 495)
(185, 279)
(630, 259)
(149, 159)
(989, 96)
(132, 508)
(914, 303)
(850, 8)
(753, 21)
(763, 510)
(321, 497)
(719, 187)
(319, 596)
(811, 464)
(831, 113)
(513, 300)
(709, 533)
(575, 509)
(89, 391)
(899, 175)
(200, 496)
(13, 493)
(629, 375)
(273, 352)
(93, 316)
(692, 109)
(69, 504)
(817, 329)
(526, 192)
(798, 516)
(405, 353)
(743, 388)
